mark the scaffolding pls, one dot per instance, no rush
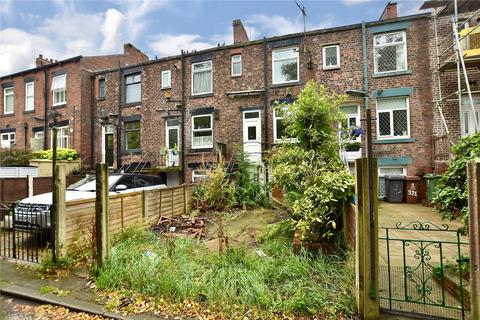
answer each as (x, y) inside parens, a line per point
(464, 41)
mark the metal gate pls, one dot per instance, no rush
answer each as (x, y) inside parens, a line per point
(423, 270)
(25, 231)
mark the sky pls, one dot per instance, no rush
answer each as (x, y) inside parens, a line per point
(60, 29)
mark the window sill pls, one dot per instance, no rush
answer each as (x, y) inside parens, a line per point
(203, 95)
(399, 140)
(8, 115)
(198, 150)
(130, 152)
(132, 104)
(28, 111)
(101, 99)
(392, 74)
(58, 106)
(331, 68)
(166, 88)
(237, 76)
(287, 84)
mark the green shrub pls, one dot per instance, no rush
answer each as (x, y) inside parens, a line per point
(450, 196)
(15, 157)
(62, 154)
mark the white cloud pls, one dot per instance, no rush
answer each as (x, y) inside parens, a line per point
(112, 30)
(171, 44)
(5, 8)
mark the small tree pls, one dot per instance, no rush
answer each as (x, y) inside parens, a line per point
(310, 170)
(15, 157)
(450, 196)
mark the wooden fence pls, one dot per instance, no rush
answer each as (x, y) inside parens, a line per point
(135, 208)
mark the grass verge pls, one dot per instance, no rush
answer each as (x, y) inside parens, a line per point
(234, 284)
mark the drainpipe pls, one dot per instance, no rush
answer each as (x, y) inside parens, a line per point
(45, 107)
(265, 94)
(119, 118)
(92, 119)
(183, 118)
(373, 291)
(25, 127)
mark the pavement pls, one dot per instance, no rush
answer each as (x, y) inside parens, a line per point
(23, 281)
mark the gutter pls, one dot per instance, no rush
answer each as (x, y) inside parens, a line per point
(119, 119)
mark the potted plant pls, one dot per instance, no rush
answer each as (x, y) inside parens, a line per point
(352, 146)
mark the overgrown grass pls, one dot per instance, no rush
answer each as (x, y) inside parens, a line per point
(233, 283)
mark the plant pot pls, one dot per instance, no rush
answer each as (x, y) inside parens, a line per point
(351, 147)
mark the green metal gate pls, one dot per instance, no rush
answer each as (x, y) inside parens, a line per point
(423, 270)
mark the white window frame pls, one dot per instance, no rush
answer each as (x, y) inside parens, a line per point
(237, 62)
(282, 59)
(375, 66)
(32, 96)
(139, 83)
(196, 176)
(164, 84)
(11, 137)
(468, 128)
(203, 70)
(60, 135)
(392, 136)
(202, 130)
(62, 89)
(337, 66)
(357, 120)
(12, 93)
(275, 140)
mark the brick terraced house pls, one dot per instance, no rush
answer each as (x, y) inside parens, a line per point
(65, 86)
(176, 113)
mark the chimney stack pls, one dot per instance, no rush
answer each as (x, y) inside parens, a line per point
(239, 33)
(130, 49)
(41, 61)
(390, 11)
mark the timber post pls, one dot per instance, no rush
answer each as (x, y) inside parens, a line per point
(473, 174)
(60, 208)
(368, 304)
(101, 214)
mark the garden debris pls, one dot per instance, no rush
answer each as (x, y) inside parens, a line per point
(181, 226)
(46, 312)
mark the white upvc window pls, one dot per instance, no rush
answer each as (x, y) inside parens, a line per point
(166, 79)
(133, 88)
(331, 57)
(29, 96)
(236, 65)
(199, 175)
(279, 134)
(7, 140)
(59, 90)
(62, 137)
(285, 65)
(393, 118)
(467, 115)
(353, 118)
(202, 133)
(390, 52)
(8, 100)
(202, 78)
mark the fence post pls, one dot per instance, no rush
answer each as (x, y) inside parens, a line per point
(60, 208)
(184, 199)
(473, 174)
(366, 288)
(30, 185)
(101, 214)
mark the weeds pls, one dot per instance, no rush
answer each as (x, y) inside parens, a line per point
(54, 290)
(54, 269)
(232, 283)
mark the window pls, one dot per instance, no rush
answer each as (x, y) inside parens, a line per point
(8, 101)
(353, 119)
(7, 140)
(388, 171)
(390, 52)
(101, 88)
(286, 67)
(62, 137)
(202, 78)
(236, 65)
(279, 128)
(59, 90)
(393, 118)
(202, 132)
(331, 57)
(133, 88)
(199, 175)
(467, 116)
(29, 88)
(36, 143)
(166, 79)
(132, 135)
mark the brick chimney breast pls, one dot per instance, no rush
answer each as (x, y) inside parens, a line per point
(239, 32)
(390, 11)
(130, 49)
(41, 61)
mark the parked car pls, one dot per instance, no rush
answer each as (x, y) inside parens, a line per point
(33, 213)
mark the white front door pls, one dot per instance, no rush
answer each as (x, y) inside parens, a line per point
(172, 142)
(252, 136)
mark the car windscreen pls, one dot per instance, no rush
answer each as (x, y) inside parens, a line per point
(89, 184)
